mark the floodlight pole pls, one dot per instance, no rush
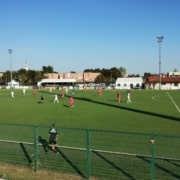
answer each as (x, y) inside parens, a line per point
(10, 53)
(160, 39)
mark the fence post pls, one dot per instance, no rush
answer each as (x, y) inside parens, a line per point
(35, 148)
(152, 141)
(88, 153)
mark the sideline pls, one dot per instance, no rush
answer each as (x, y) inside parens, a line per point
(173, 102)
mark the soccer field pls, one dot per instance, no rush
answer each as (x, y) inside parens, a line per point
(150, 111)
(99, 133)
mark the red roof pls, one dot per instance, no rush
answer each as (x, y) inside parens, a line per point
(164, 79)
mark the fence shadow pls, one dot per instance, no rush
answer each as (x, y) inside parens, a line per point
(71, 163)
(165, 170)
(172, 162)
(113, 165)
(26, 153)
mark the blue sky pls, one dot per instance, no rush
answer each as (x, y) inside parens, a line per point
(73, 35)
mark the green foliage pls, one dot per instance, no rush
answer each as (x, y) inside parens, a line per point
(23, 76)
(48, 69)
(109, 75)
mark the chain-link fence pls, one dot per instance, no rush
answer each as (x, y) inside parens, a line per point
(93, 153)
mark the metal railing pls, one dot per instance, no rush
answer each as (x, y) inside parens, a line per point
(92, 153)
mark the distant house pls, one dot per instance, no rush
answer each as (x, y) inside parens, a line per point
(174, 74)
(56, 83)
(167, 82)
(13, 84)
(88, 77)
(127, 83)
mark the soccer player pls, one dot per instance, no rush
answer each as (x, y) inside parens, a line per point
(129, 96)
(71, 102)
(53, 136)
(12, 94)
(118, 97)
(34, 91)
(56, 100)
(62, 93)
(99, 92)
(41, 98)
(24, 91)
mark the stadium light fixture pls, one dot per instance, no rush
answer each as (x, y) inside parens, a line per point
(160, 39)
(10, 54)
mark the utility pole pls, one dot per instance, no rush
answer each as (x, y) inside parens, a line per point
(160, 39)
(10, 53)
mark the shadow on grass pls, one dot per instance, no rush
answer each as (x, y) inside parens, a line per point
(71, 163)
(130, 109)
(46, 148)
(26, 153)
(173, 162)
(121, 107)
(113, 165)
(164, 169)
(65, 105)
(44, 144)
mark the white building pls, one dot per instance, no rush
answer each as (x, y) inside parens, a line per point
(127, 83)
(13, 84)
(54, 83)
(174, 74)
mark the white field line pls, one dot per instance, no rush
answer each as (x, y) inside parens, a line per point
(156, 98)
(173, 102)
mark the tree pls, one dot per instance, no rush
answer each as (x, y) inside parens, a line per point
(122, 71)
(114, 73)
(92, 70)
(108, 75)
(5, 77)
(133, 75)
(47, 69)
(30, 77)
(147, 74)
(34, 76)
(22, 75)
(100, 79)
(38, 76)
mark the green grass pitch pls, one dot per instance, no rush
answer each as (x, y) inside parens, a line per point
(150, 111)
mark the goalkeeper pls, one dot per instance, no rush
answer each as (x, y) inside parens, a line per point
(53, 136)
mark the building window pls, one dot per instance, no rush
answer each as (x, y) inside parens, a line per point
(137, 85)
(131, 85)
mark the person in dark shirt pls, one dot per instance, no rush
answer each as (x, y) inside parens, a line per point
(41, 98)
(53, 136)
